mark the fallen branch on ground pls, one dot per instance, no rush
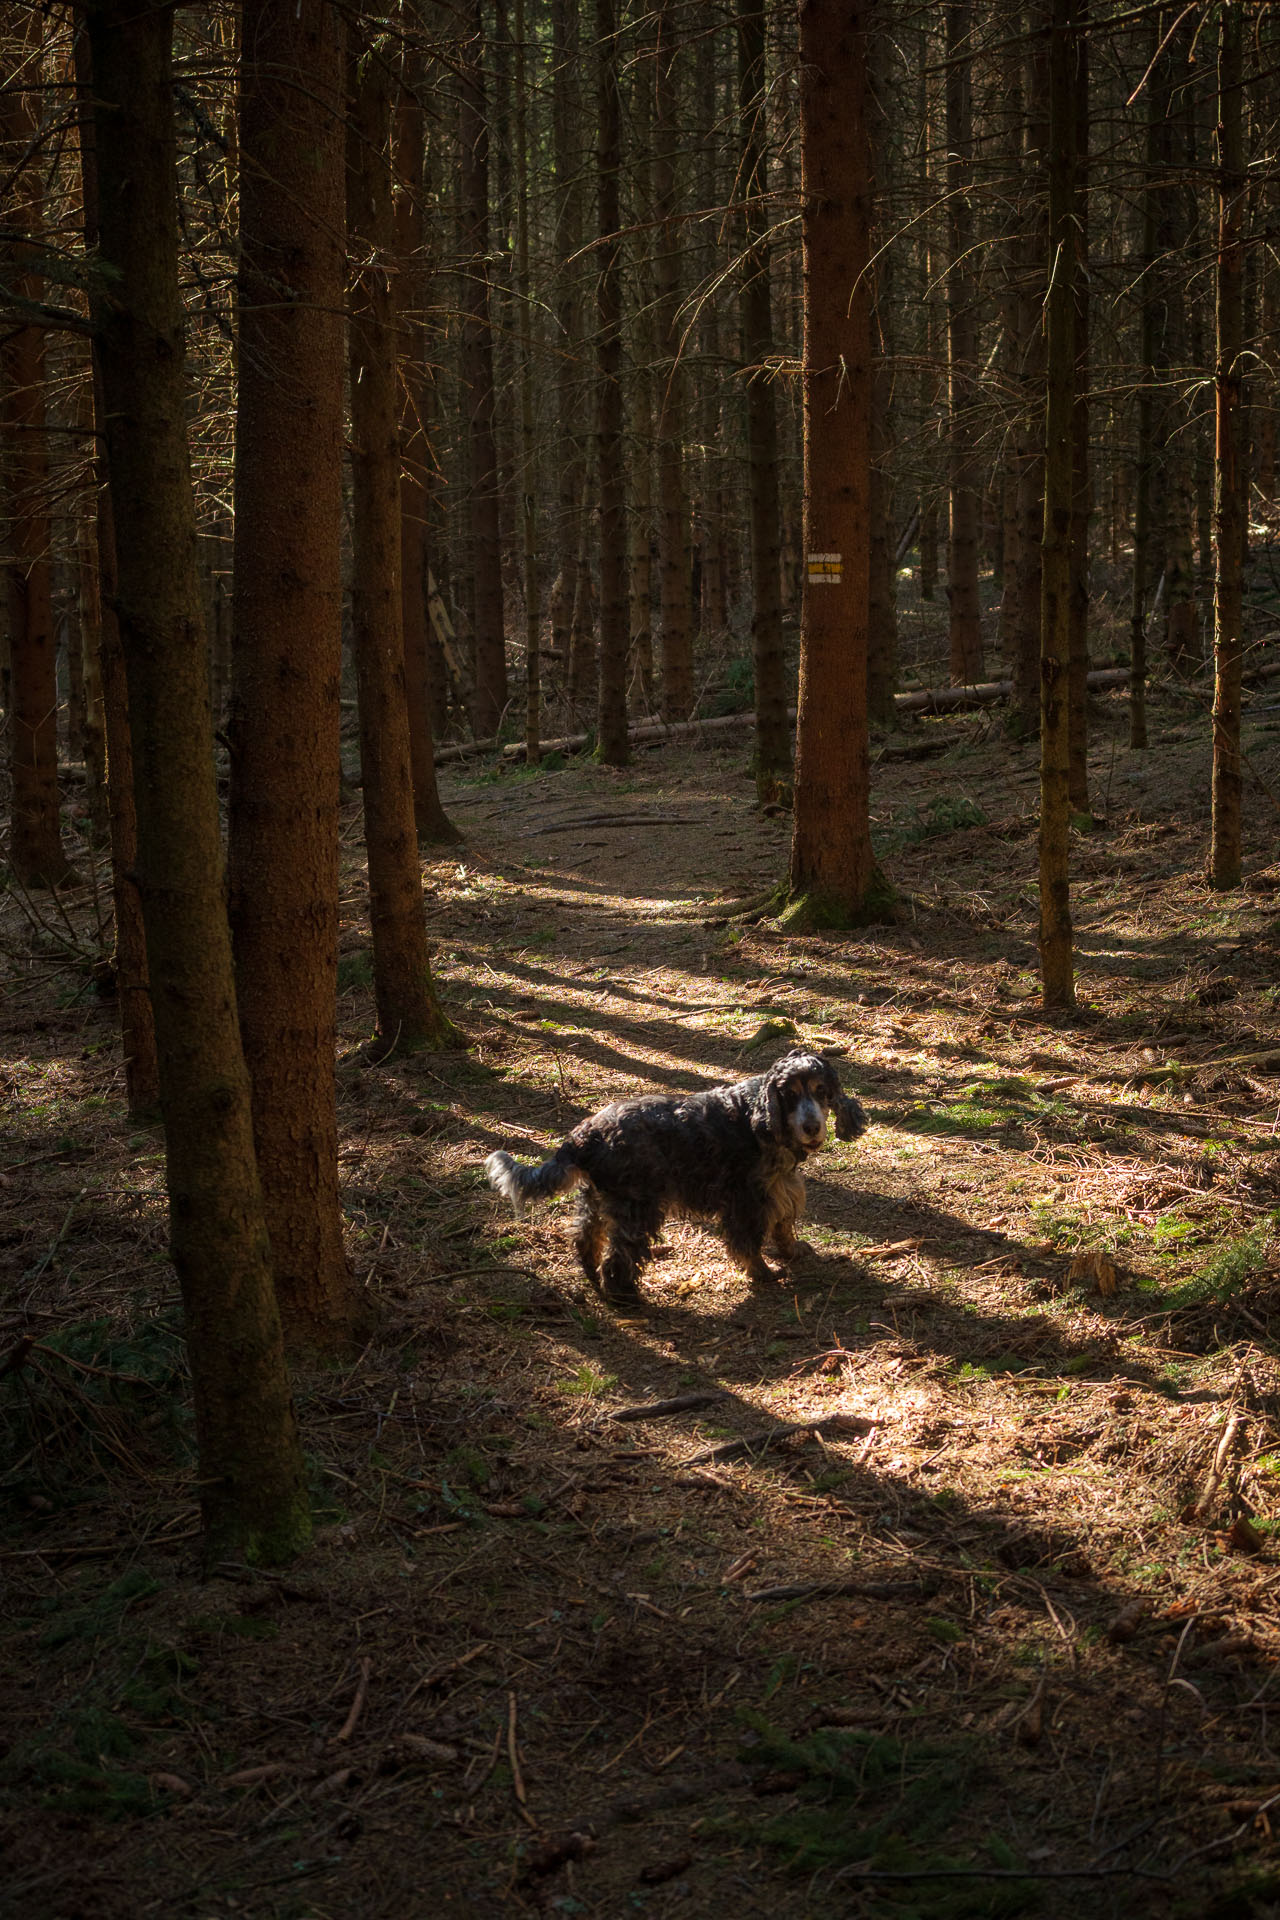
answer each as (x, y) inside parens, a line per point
(759, 1442)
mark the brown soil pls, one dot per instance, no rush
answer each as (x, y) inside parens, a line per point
(533, 1662)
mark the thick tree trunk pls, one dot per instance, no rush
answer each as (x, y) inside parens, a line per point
(773, 729)
(1230, 502)
(965, 622)
(611, 718)
(251, 1475)
(287, 643)
(833, 877)
(477, 381)
(408, 1013)
(36, 854)
(1056, 961)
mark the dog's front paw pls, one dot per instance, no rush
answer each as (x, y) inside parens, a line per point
(761, 1274)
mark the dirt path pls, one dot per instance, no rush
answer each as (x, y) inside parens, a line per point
(998, 1637)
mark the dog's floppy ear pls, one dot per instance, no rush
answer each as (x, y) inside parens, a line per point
(766, 1108)
(850, 1118)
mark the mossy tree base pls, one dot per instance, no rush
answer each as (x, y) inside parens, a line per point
(815, 910)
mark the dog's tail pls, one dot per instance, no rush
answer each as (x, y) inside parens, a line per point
(518, 1184)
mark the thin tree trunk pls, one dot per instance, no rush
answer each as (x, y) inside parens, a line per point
(477, 381)
(36, 854)
(407, 1010)
(571, 374)
(882, 644)
(433, 824)
(287, 643)
(528, 425)
(1229, 497)
(251, 1475)
(1029, 432)
(676, 630)
(613, 745)
(773, 729)
(129, 960)
(1082, 479)
(1056, 960)
(965, 622)
(833, 879)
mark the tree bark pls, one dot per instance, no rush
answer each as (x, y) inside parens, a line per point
(882, 642)
(286, 656)
(773, 729)
(1056, 962)
(251, 1477)
(613, 746)
(833, 879)
(129, 960)
(965, 621)
(416, 459)
(36, 854)
(1230, 504)
(676, 630)
(408, 1014)
(1082, 479)
(477, 380)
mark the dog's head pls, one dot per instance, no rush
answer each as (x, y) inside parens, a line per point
(794, 1100)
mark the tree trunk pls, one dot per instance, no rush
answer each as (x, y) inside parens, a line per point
(129, 961)
(1056, 960)
(773, 729)
(613, 745)
(477, 381)
(1028, 455)
(287, 643)
(1229, 498)
(408, 1014)
(571, 377)
(1082, 479)
(882, 642)
(676, 631)
(965, 622)
(251, 1476)
(433, 824)
(528, 427)
(36, 854)
(833, 879)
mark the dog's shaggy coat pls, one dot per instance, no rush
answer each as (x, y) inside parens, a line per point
(732, 1154)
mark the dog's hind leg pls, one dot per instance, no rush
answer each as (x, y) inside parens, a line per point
(635, 1226)
(590, 1233)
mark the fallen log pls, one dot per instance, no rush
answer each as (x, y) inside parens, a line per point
(933, 700)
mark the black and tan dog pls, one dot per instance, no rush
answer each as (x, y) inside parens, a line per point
(732, 1155)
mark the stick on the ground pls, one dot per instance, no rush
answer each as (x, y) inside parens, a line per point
(758, 1442)
(659, 1409)
(357, 1705)
(840, 1589)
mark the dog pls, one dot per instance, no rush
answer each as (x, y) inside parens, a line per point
(732, 1154)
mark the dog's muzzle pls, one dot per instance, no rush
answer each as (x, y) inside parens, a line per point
(809, 1122)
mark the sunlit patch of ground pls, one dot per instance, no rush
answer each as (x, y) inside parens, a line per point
(542, 1659)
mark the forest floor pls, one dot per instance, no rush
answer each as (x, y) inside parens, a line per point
(995, 1633)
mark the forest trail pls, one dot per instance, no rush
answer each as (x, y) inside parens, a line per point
(992, 1632)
